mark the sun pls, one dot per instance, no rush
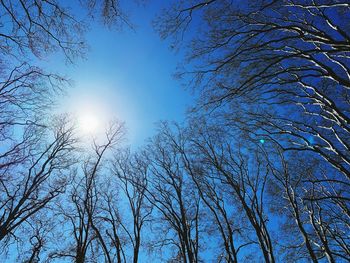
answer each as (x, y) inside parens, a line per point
(91, 123)
(88, 123)
(90, 113)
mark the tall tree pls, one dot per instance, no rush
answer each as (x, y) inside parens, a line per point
(221, 217)
(33, 163)
(176, 200)
(243, 173)
(284, 63)
(132, 178)
(40, 174)
(82, 210)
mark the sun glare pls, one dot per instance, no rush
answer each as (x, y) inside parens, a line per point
(88, 123)
(91, 112)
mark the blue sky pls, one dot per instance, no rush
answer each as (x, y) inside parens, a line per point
(126, 75)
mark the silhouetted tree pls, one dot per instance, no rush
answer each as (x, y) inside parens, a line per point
(276, 73)
(33, 163)
(132, 178)
(283, 63)
(34, 176)
(243, 173)
(82, 210)
(40, 27)
(171, 192)
(220, 217)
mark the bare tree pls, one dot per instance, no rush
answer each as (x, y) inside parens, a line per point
(83, 209)
(317, 207)
(110, 11)
(244, 174)
(215, 196)
(41, 27)
(292, 202)
(132, 175)
(284, 63)
(34, 165)
(30, 183)
(177, 201)
(30, 30)
(276, 73)
(40, 232)
(113, 224)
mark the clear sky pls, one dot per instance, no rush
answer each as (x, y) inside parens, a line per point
(126, 75)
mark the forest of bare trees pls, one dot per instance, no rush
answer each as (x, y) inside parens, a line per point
(258, 172)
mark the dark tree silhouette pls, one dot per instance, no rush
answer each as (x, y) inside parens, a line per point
(212, 191)
(284, 63)
(132, 177)
(82, 210)
(276, 74)
(243, 173)
(318, 212)
(34, 176)
(34, 163)
(258, 172)
(175, 199)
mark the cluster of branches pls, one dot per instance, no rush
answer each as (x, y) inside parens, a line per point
(221, 199)
(30, 31)
(277, 72)
(40, 27)
(193, 194)
(262, 176)
(36, 150)
(285, 64)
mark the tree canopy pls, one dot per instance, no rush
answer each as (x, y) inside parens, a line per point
(258, 172)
